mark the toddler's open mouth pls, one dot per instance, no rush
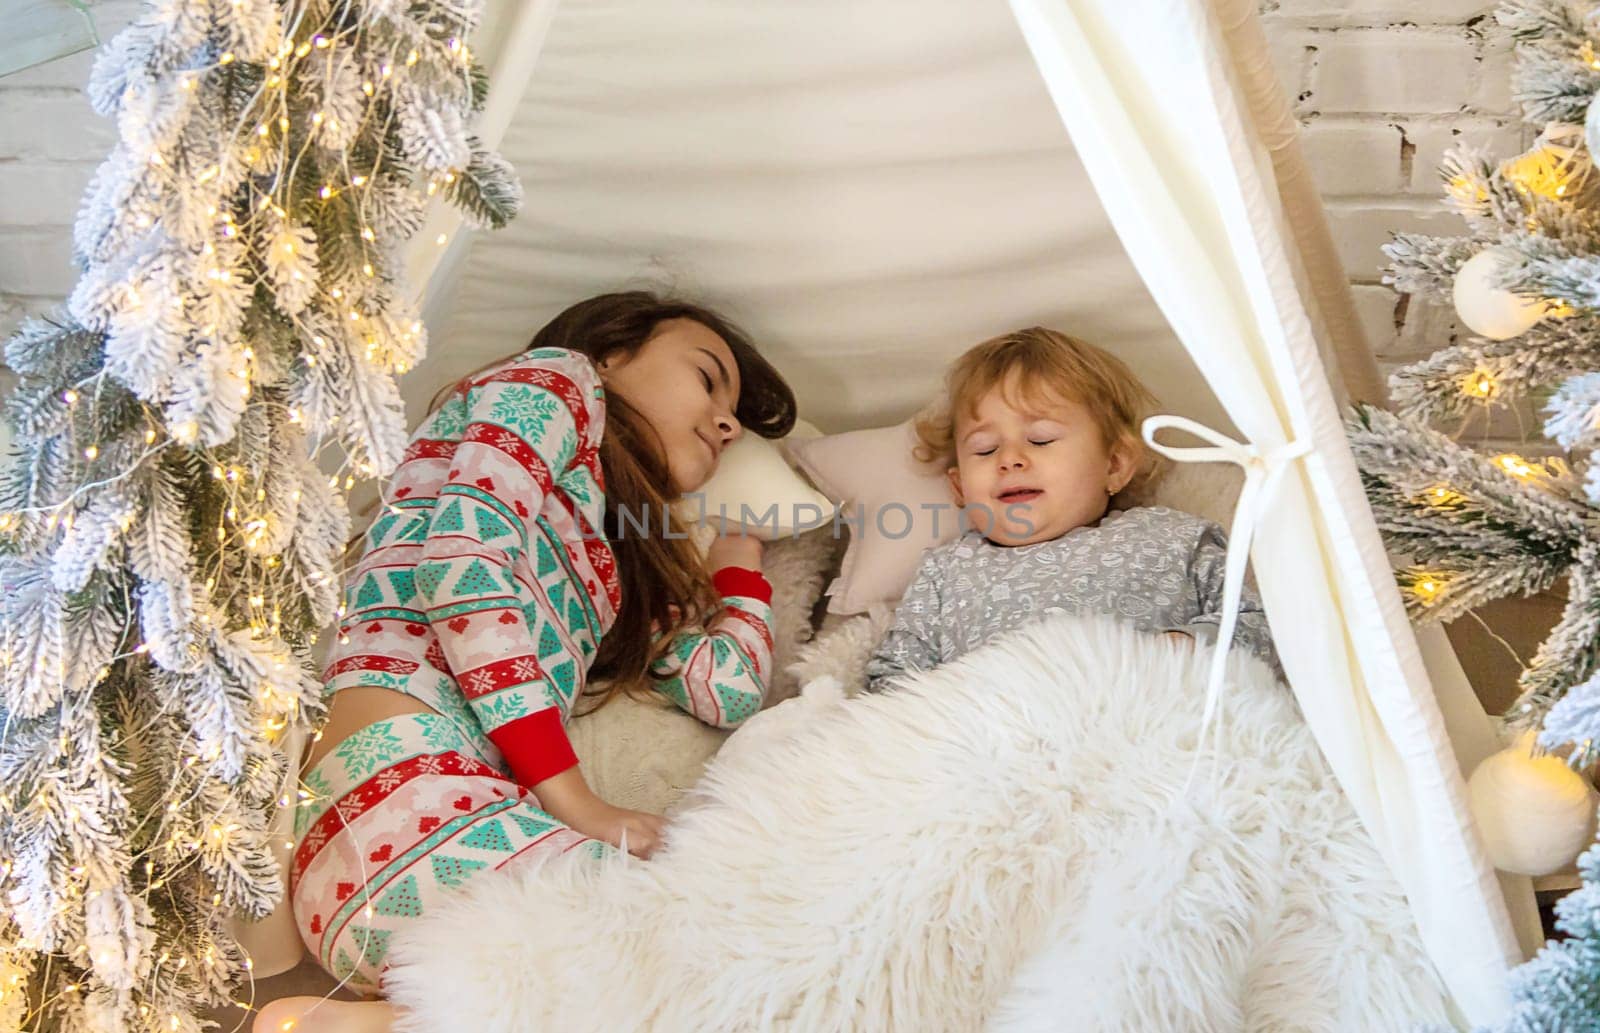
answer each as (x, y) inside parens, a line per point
(1013, 495)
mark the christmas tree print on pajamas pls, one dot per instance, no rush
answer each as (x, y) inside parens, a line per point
(484, 591)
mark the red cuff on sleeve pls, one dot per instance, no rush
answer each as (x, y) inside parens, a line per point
(742, 581)
(535, 746)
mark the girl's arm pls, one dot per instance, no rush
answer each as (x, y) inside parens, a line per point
(720, 673)
(912, 642)
(507, 645)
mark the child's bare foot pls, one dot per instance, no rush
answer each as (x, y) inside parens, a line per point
(323, 1015)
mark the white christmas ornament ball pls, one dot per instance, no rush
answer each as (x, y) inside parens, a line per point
(1535, 813)
(1489, 311)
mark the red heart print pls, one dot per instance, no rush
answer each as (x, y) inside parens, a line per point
(374, 628)
(427, 824)
(459, 625)
(381, 854)
(344, 889)
(486, 483)
(508, 618)
(463, 804)
(401, 493)
(453, 474)
(416, 629)
(316, 924)
(522, 510)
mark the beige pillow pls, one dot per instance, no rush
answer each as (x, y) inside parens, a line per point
(755, 482)
(897, 507)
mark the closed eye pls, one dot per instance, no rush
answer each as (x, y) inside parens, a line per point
(990, 451)
(705, 377)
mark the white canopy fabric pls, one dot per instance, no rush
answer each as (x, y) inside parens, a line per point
(872, 186)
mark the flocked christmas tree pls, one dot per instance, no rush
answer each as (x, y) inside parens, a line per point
(170, 530)
(1525, 282)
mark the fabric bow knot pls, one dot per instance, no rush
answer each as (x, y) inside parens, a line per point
(1262, 471)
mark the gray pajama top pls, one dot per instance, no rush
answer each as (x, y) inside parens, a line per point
(1157, 568)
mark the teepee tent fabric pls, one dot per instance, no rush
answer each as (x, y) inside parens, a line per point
(1184, 184)
(870, 186)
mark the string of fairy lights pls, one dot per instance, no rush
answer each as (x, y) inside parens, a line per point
(1558, 168)
(244, 555)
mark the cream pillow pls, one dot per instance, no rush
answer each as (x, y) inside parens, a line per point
(897, 508)
(755, 480)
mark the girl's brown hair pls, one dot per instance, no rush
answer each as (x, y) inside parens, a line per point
(665, 583)
(1051, 366)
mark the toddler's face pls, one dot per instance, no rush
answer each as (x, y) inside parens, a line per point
(1027, 474)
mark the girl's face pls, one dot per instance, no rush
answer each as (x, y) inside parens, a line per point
(1030, 474)
(683, 380)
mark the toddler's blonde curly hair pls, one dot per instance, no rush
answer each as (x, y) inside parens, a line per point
(1052, 366)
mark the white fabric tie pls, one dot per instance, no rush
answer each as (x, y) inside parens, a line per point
(1261, 473)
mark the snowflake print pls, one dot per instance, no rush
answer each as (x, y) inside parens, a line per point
(369, 749)
(528, 411)
(348, 810)
(452, 704)
(387, 780)
(450, 422)
(502, 709)
(578, 488)
(381, 679)
(479, 681)
(318, 789)
(441, 736)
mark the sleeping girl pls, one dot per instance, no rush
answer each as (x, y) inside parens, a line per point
(1041, 430)
(500, 586)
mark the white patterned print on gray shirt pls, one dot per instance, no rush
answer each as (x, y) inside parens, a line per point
(1157, 568)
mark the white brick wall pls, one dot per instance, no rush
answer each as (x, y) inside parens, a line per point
(1382, 88)
(50, 143)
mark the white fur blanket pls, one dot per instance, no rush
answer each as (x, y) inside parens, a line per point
(1000, 845)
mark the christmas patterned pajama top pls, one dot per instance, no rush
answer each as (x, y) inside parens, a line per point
(484, 591)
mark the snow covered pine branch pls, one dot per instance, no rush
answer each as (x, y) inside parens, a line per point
(1525, 282)
(171, 535)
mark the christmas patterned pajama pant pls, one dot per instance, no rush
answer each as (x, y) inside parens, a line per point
(396, 817)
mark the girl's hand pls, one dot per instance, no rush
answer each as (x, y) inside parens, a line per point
(602, 821)
(734, 550)
(568, 797)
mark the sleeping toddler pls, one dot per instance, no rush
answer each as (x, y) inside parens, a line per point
(1042, 430)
